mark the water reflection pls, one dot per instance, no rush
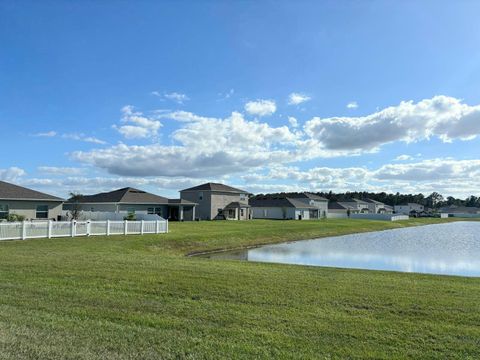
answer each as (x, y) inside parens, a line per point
(452, 249)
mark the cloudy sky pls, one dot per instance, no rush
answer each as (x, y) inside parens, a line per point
(267, 96)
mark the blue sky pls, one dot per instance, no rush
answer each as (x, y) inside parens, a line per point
(268, 96)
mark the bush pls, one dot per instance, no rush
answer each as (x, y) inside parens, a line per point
(130, 217)
(15, 217)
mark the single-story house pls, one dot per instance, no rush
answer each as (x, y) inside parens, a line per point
(378, 207)
(282, 207)
(31, 204)
(409, 209)
(218, 201)
(130, 200)
(453, 209)
(312, 199)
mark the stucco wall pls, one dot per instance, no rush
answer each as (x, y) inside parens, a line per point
(29, 208)
(207, 208)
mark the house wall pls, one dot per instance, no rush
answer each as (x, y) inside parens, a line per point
(277, 213)
(207, 208)
(29, 208)
(406, 209)
(322, 206)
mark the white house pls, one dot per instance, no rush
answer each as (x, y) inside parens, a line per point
(378, 207)
(356, 206)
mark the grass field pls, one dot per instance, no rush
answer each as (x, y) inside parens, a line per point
(141, 297)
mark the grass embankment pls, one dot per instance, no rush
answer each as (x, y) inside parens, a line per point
(140, 297)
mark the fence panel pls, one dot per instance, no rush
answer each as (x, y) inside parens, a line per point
(43, 229)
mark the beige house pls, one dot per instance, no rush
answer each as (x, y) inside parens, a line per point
(218, 202)
(134, 201)
(31, 204)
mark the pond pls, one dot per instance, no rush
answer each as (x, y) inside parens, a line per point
(446, 249)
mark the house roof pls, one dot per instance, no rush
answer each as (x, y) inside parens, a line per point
(125, 195)
(337, 206)
(279, 202)
(460, 209)
(306, 195)
(180, 202)
(15, 192)
(354, 201)
(236, 205)
(371, 201)
(215, 187)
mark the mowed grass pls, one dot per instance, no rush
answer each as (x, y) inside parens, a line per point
(140, 297)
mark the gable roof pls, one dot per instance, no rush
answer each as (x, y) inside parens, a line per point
(215, 187)
(15, 192)
(125, 195)
(371, 201)
(337, 206)
(354, 201)
(279, 202)
(306, 195)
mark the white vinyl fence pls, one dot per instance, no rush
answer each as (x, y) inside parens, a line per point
(49, 229)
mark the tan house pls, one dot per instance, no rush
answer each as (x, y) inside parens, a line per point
(218, 202)
(31, 204)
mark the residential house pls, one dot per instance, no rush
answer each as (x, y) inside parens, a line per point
(31, 204)
(453, 209)
(283, 208)
(377, 207)
(314, 200)
(409, 209)
(356, 206)
(335, 209)
(129, 200)
(218, 201)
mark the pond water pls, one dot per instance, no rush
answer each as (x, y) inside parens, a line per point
(447, 249)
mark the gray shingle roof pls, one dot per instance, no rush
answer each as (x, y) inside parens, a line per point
(126, 195)
(371, 201)
(279, 202)
(215, 187)
(11, 191)
(336, 206)
(235, 205)
(307, 195)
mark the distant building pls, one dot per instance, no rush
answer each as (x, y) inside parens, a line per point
(453, 209)
(338, 208)
(301, 206)
(356, 206)
(134, 201)
(31, 204)
(409, 209)
(218, 201)
(377, 207)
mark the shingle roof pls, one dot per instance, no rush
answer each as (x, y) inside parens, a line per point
(215, 187)
(460, 209)
(126, 195)
(373, 201)
(279, 202)
(354, 201)
(236, 204)
(180, 202)
(11, 191)
(336, 206)
(306, 195)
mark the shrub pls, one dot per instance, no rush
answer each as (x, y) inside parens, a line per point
(130, 217)
(15, 217)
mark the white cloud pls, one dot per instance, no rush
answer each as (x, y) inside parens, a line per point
(83, 137)
(143, 127)
(46, 134)
(11, 173)
(173, 96)
(293, 121)
(261, 107)
(403, 158)
(444, 117)
(352, 105)
(206, 147)
(297, 98)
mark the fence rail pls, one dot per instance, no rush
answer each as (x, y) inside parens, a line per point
(50, 229)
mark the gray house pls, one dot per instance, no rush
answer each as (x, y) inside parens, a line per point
(356, 206)
(314, 200)
(378, 207)
(29, 203)
(218, 201)
(409, 209)
(129, 200)
(283, 208)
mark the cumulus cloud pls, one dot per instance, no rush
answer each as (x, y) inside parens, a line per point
(352, 105)
(293, 121)
(261, 107)
(11, 173)
(403, 158)
(54, 170)
(297, 98)
(173, 96)
(137, 125)
(444, 117)
(204, 147)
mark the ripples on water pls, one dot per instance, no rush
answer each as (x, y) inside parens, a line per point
(449, 249)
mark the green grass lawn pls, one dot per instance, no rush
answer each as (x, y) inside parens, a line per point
(140, 297)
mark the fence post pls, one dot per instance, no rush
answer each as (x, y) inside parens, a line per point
(166, 226)
(49, 230)
(125, 227)
(73, 228)
(108, 227)
(141, 227)
(88, 226)
(24, 230)
(157, 226)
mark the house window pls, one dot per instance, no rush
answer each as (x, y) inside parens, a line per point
(243, 197)
(42, 212)
(151, 211)
(131, 210)
(200, 195)
(3, 211)
(231, 213)
(241, 212)
(158, 211)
